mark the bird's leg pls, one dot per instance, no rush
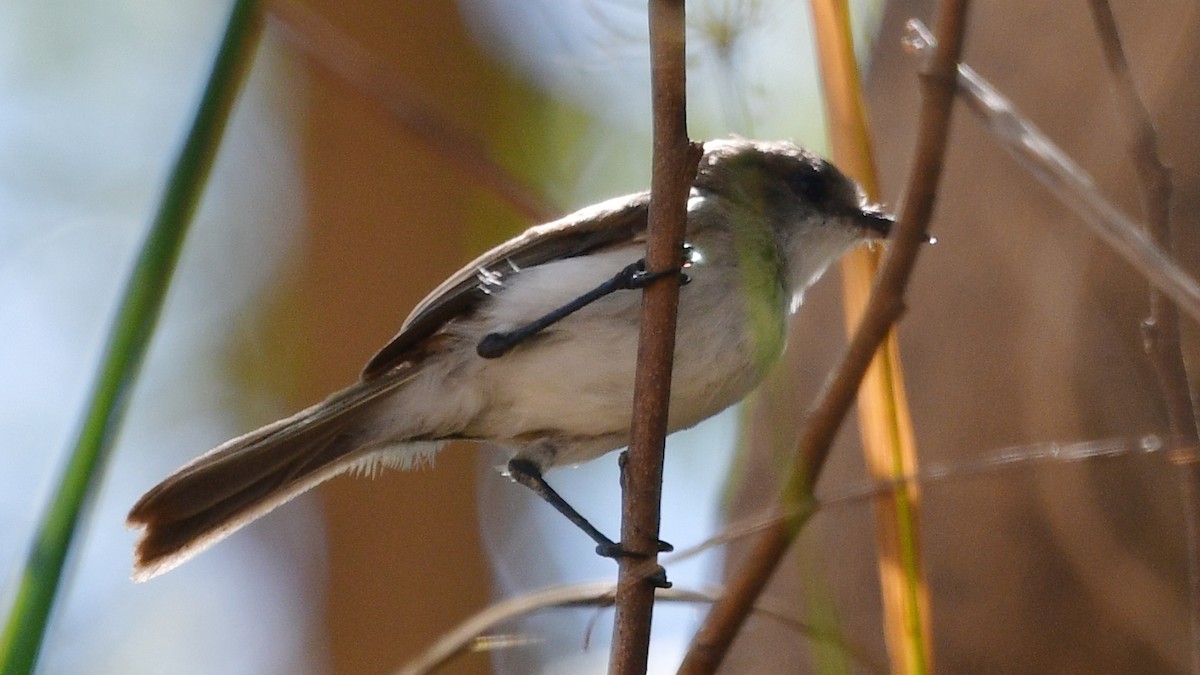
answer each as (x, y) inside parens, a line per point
(622, 460)
(633, 276)
(528, 474)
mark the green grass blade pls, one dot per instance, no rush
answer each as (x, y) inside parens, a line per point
(127, 342)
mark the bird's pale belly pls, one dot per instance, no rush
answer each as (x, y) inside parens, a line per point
(553, 384)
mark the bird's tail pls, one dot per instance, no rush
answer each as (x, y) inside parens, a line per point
(219, 492)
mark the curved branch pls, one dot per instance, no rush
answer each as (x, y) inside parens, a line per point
(1070, 183)
(712, 642)
(599, 594)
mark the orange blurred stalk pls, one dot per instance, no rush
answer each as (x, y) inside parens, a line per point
(889, 445)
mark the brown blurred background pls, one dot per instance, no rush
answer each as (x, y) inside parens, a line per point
(1022, 329)
(404, 555)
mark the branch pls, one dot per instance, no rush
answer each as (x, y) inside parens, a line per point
(1160, 331)
(884, 308)
(339, 54)
(673, 169)
(467, 635)
(1069, 182)
(889, 444)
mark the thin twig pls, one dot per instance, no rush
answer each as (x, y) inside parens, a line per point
(889, 444)
(672, 171)
(463, 637)
(1057, 171)
(351, 62)
(1003, 459)
(466, 636)
(886, 305)
(1160, 330)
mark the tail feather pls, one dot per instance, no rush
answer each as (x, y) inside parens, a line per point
(243, 479)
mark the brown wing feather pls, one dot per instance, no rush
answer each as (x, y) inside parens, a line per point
(612, 222)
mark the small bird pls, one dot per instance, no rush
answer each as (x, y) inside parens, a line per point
(532, 347)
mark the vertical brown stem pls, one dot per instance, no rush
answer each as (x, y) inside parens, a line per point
(673, 168)
(1160, 330)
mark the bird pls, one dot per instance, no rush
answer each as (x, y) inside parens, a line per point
(532, 347)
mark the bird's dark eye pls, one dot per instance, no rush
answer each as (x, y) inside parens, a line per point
(809, 184)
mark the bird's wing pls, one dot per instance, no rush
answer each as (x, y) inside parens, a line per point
(616, 221)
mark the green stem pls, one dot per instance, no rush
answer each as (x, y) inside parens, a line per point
(126, 347)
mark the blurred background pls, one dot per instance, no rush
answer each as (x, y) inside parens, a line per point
(339, 199)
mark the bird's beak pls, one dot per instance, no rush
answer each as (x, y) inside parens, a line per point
(875, 221)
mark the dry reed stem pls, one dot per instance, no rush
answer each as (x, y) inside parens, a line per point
(885, 424)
